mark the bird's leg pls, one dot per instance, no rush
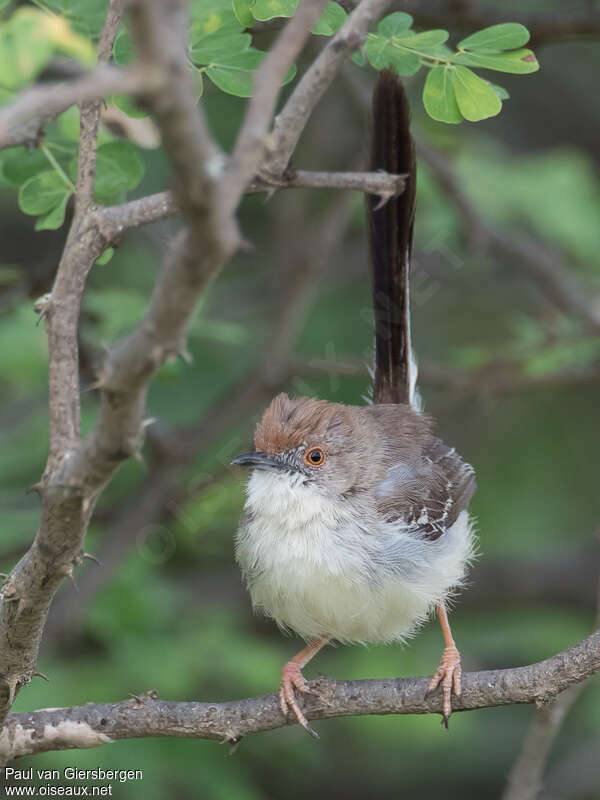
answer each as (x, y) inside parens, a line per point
(292, 678)
(449, 671)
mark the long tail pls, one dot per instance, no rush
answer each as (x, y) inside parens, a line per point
(391, 235)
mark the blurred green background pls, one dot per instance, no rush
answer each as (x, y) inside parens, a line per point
(167, 611)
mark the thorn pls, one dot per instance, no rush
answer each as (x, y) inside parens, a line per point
(85, 505)
(150, 421)
(234, 746)
(140, 459)
(4, 575)
(186, 355)
(99, 384)
(72, 579)
(92, 558)
(383, 199)
(41, 305)
(35, 487)
(12, 690)
(37, 674)
(20, 607)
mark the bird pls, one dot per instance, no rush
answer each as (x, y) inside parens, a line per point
(356, 526)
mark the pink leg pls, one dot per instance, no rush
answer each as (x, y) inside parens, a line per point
(448, 674)
(292, 678)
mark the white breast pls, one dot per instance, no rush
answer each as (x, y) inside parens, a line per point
(315, 571)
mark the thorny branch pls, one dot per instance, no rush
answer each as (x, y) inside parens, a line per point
(97, 723)
(77, 471)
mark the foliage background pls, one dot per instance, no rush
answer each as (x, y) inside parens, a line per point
(172, 615)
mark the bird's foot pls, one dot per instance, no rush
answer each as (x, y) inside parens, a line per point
(448, 674)
(292, 679)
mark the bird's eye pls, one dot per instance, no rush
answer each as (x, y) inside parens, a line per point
(314, 457)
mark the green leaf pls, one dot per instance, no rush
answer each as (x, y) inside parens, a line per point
(89, 14)
(396, 24)
(428, 40)
(105, 257)
(29, 39)
(217, 36)
(123, 48)
(264, 10)
(331, 20)
(234, 74)
(507, 36)
(439, 97)
(42, 193)
(517, 62)
(54, 218)
(119, 168)
(383, 53)
(23, 165)
(475, 97)
(243, 12)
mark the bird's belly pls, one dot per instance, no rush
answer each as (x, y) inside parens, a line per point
(310, 568)
(319, 580)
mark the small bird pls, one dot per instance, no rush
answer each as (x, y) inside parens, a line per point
(355, 527)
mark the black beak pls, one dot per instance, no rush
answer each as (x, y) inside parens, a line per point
(259, 461)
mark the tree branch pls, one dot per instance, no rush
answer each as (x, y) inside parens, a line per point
(90, 114)
(97, 723)
(115, 220)
(22, 121)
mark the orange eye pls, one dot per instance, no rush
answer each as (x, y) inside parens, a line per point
(314, 457)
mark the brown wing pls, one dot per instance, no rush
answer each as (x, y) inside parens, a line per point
(430, 493)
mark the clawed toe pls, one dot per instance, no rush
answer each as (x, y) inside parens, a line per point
(292, 680)
(448, 675)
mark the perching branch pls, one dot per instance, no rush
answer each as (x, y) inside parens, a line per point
(97, 723)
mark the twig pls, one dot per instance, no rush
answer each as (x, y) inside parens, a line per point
(113, 221)
(94, 724)
(90, 114)
(22, 121)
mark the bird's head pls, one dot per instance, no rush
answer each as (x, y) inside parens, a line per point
(309, 442)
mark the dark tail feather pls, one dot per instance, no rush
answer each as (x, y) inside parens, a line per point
(391, 234)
